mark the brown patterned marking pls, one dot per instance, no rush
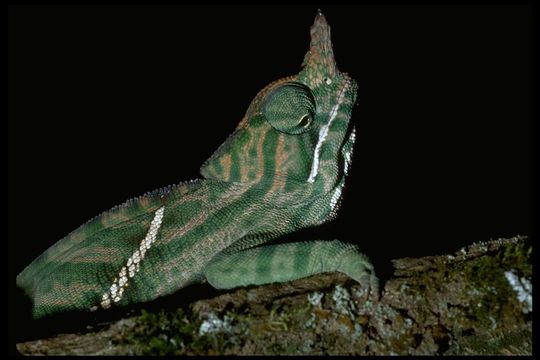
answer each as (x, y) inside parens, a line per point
(65, 294)
(226, 163)
(77, 236)
(148, 203)
(212, 172)
(280, 159)
(193, 222)
(245, 157)
(115, 218)
(260, 156)
(202, 251)
(59, 248)
(242, 122)
(98, 255)
(194, 196)
(182, 188)
(73, 256)
(181, 269)
(59, 252)
(175, 233)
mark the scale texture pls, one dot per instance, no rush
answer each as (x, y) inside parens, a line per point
(282, 169)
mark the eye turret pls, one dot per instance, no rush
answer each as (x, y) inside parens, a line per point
(289, 108)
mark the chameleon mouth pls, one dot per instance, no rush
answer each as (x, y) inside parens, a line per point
(323, 132)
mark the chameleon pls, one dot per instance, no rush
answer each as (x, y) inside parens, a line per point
(282, 169)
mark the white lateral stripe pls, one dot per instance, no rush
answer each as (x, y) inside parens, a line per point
(323, 132)
(132, 265)
(348, 154)
(335, 197)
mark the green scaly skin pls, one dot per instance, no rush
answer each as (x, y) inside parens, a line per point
(282, 169)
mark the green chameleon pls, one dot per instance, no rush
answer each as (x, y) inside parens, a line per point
(281, 170)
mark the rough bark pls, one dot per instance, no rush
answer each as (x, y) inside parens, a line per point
(476, 301)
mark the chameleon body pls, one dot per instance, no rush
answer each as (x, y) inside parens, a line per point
(281, 170)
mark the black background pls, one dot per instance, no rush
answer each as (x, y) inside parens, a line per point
(107, 103)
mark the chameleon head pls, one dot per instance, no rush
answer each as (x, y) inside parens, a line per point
(296, 128)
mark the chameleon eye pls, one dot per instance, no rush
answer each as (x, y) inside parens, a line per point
(289, 108)
(305, 121)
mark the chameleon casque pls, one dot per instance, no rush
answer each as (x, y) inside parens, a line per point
(281, 170)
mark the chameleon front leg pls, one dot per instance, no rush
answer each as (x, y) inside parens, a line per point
(285, 262)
